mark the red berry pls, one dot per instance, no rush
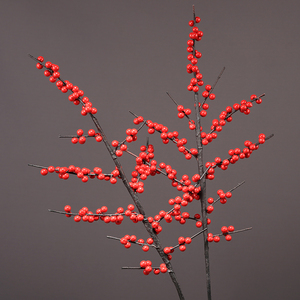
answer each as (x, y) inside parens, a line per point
(188, 240)
(228, 237)
(52, 79)
(67, 208)
(230, 228)
(212, 96)
(84, 179)
(119, 153)
(182, 248)
(216, 239)
(48, 64)
(209, 209)
(203, 113)
(77, 218)
(210, 238)
(199, 224)
(150, 241)
(82, 140)
(115, 143)
(145, 248)
(224, 229)
(39, 66)
(44, 172)
(91, 132)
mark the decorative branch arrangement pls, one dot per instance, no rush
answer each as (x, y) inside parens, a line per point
(190, 188)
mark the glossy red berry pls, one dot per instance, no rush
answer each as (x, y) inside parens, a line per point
(212, 96)
(198, 224)
(67, 208)
(216, 239)
(228, 237)
(91, 132)
(44, 172)
(182, 248)
(77, 218)
(209, 209)
(74, 140)
(210, 238)
(230, 228)
(39, 66)
(82, 140)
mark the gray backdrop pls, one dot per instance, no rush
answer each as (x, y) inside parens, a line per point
(125, 55)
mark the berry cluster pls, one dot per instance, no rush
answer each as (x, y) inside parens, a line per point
(193, 56)
(82, 138)
(225, 231)
(83, 173)
(167, 135)
(127, 240)
(235, 155)
(64, 86)
(86, 215)
(147, 266)
(226, 116)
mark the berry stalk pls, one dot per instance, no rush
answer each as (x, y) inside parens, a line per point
(138, 205)
(202, 192)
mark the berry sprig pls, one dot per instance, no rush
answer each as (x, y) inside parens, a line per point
(127, 240)
(167, 135)
(182, 242)
(193, 56)
(85, 215)
(83, 173)
(146, 266)
(222, 198)
(235, 155)
(120, 147)
(81, 138)
(226, 116)
(64, 85)
(225, 232)
(184, 112)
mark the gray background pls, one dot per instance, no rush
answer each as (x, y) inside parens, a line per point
(125, 55)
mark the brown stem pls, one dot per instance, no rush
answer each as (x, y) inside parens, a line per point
(202, 193)
(138, 205)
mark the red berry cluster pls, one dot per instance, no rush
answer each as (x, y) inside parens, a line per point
(185, 112)
(235, 155)
(86, 215)
(127, 240)
(193, 57)
(225, 231)
(64, 86)
(167, 135)
(82, 138)
(138, 120)
(222, 198)
(83, 173)
(226, 116)
(147, 266)
(131, 137)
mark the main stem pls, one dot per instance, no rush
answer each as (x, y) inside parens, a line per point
(202, 192)
(138, 205)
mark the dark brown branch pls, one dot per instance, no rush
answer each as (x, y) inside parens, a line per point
(138, 205)
(202, 183)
